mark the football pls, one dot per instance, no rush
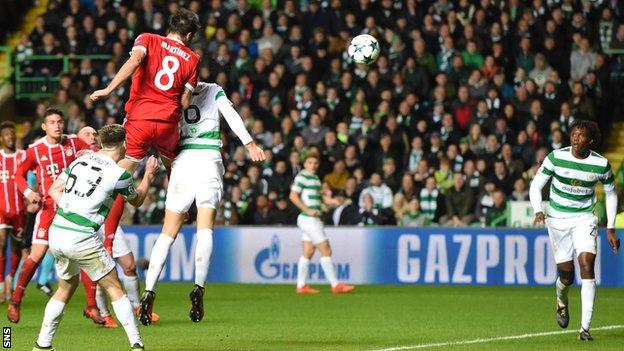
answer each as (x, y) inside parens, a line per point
(364, 49)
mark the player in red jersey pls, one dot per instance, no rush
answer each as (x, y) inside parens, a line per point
(48, 156)
(164, 73)
(12, 208)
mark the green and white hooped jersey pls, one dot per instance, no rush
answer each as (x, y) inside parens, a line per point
(199, 127)
(308, 185)
(92, 183)
(574, 180)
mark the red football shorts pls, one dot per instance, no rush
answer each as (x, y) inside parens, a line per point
(43, 221)
(12, 221)
(141, 135)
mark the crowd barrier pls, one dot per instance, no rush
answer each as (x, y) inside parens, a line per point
(378, 255)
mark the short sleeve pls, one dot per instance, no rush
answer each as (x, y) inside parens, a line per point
(297, 187)
(192, 82)
(64, 176)
(548, 166)
(141, 43)
(125, 186)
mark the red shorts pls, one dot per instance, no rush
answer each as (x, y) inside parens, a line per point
(13, 221)
(43, 221)
(141, 135)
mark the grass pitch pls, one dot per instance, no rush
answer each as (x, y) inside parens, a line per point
(273, 317)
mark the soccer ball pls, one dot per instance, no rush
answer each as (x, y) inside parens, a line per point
(364, 49)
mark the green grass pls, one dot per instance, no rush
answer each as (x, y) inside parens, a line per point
(263, 317)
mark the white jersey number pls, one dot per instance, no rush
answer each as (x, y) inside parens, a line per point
(170, 66)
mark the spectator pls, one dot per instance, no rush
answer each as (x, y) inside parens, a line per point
(430, 199)
(581, 60)
(498, 214)
(459, 203)
(379, 192)
(520, 192)
(337, 178)
(413, 217)
(369, 214)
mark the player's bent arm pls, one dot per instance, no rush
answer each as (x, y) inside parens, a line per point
(56, 190)
(535, 191)
(185, 100)
(295, 198)
(20, 176)
(136, 197)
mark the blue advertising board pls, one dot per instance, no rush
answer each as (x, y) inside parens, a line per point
(378, 255)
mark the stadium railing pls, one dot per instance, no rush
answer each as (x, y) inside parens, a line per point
(6, 68)
(36, 87)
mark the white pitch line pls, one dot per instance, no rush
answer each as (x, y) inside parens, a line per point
(500, 338)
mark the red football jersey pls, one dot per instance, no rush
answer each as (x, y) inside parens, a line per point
(168, 68)
(11, 200)
(48, 161)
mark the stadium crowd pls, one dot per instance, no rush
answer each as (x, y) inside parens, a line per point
(451, 122)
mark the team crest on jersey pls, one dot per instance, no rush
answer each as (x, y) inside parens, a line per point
(44, 158)
(576, 182)
(592, 177)
(69, 152)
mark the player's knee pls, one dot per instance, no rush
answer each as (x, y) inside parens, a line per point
(566, 277)
(130, 270)
(587, 270)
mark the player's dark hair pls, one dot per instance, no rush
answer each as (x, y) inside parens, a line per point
(52, 111)
(112, 135)
(184, 22)
(7, 125)
(590, 127)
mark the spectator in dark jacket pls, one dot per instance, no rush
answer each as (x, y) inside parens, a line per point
(459, 203)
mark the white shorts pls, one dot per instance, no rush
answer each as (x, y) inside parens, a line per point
(74, 251)
(121, 247)
(196, 175)
(312, 228)
(570, 236)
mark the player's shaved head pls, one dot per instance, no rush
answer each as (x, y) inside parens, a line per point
(88, 135)
(112, 136)
(184, 22)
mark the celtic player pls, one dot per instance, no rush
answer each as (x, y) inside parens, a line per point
(572, 225)
(196, 176)
(84, 193)
(305, 193)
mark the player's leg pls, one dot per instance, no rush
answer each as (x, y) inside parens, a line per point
(53, 312)
(38, 251)
(203, 254)
(563, 250)
(584, 234)
(45, 268)
(91, 311)
(320, 240)
(307, 251)
(122, 307)
(158, 257)
(3, 249)
(102, 305)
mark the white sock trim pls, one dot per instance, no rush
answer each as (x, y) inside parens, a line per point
(328, 269)
(302, 271)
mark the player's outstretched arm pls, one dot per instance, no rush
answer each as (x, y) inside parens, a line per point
(151, 170)
(237, 125)
(125, 72)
